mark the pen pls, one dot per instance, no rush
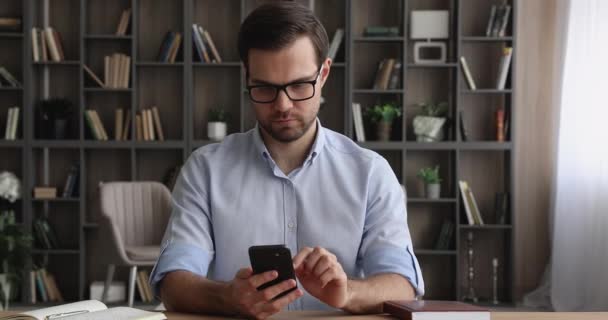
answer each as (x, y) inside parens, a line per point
(64, 314)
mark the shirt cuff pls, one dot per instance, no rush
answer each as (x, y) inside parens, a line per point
(395, 260)
(179, 256)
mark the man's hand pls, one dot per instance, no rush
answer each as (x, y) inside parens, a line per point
(248, 301)
(322, 276)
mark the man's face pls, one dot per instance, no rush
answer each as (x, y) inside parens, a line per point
(283, 119)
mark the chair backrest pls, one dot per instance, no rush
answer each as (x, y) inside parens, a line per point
(138, 210)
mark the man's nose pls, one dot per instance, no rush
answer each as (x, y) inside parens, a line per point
(283, 103)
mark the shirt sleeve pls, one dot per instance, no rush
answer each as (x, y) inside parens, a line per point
(188, 240)
(386, 246)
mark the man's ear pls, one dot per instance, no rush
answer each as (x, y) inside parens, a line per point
(325, 71)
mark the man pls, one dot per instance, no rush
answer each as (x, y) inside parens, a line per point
(338, 208)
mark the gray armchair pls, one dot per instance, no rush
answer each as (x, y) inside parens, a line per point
(136, 214)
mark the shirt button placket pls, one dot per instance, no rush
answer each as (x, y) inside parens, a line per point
(291, 226)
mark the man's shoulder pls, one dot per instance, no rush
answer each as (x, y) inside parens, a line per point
(340, 144)
(233, 145)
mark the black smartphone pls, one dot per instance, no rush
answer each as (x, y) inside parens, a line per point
(272, 257)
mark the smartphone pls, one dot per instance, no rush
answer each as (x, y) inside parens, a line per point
(272, 257)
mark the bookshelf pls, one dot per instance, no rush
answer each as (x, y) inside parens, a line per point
(185, 90)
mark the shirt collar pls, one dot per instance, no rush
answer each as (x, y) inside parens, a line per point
(314, 151)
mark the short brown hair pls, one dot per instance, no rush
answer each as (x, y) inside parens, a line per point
(276, 25)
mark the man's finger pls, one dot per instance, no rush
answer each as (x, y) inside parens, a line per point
(278, 304)
(273, 291)
(244, 273)
(301, 256)
(313, 258)
(259, 279)
(331, 274)
(322, 264)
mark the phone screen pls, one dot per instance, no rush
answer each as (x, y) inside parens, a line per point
(272, 257)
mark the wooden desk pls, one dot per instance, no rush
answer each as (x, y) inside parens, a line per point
(342, 316)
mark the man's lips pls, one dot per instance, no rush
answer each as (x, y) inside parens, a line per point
(284, 120)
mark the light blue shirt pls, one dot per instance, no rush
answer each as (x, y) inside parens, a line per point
(232, 195)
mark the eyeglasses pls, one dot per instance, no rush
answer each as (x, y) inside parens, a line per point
(295, 91)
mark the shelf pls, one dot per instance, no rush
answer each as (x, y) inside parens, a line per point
(433, 252)
(90, 225)
(72, 63)
(444, 145)
(486, 39)
(168, 144)
(109, 144)
(378, 39)
(487, 227)
(11, 88)
(426, 200)
(230, 64)
(382, 145)
(378, 91)
(107, 37)
(200, 143)
(108, 90)
(485, 145)
(157, 64)
(56, 144)
(56, 251)
(58, 199)
(412, 65)
(486, 91)
(11, 35)
(11, 143)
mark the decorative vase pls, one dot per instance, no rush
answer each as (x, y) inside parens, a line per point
(432, 190)
(5, 287)
(428, 129)
(60, 127)
(216, 130)
(384, 130)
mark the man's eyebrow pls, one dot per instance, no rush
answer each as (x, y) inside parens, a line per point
(259, 81)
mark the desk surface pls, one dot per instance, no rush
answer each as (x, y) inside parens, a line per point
(342, 316)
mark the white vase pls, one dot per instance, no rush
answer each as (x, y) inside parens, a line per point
(432, 190)
(5, 286)
(428, 129)
(216, 130)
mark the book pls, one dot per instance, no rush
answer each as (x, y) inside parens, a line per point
(118, 123)
(140, 288)
(464, 136)
(44, 45)
(14, 123)
(504, 21)
(35, 48)
(383, 74)
(10, 24)
(358, 121)
(9, 78)
(144, 126)
(123, 24)
(500, 120)
(175, 47)
(151, 132)
(51, 42)
(200, 46)
(45, 192)
(501, 203)
(435, 310)
(70, 182)
(335, 43)
(503, 69)
(491, 21)
(216, 54)
(467, 73)
(91, 125)
(93, 76)
(393, 82)
(467, 204)
(89, 310)
(163, 52)
(138, 128)
(444, 239)
(127, 126)
(470, 204)
(157, 125)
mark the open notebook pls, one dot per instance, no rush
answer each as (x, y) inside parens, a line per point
(87, 310)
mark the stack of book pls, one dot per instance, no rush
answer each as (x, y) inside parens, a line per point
(122, 124)
(12, 123)
(498, 21)
(46, 45)
(148, 126)
(45, 193)
(205, 48)
(10, 24)
(170, 47)
(123, 24)
(470, 204)
(43, 282)
(143, 286)
(96, 127)
(388, 74)
(117, 69)
(7, 79)
(45, 235)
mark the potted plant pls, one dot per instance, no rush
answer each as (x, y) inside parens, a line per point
(54, 117)
(432, 182)
(216, 125)
(383, 116)
(429, 124)
(15, 243)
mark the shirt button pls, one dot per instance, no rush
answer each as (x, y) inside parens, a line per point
(290, 225)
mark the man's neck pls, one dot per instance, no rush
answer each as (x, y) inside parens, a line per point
(291, 155)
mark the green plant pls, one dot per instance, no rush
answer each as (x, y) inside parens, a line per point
(386, 112)
(429, 175)
(218, 115)
(15, 245)
(439, 110)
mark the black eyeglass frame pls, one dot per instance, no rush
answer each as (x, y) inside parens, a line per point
(284, 88)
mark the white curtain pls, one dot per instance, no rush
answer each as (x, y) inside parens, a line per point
(577, 277)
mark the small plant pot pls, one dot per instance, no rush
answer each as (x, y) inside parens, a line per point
(432, 190)
(60, 129)
(216, 130)
(384, 131)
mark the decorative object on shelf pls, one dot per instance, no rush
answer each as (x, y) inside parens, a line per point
(495, 281)
(10, 187)
(429, 25)
(54, 118)
(470, 290)
(381, 31)
(383, 116)
(432, 182)
(15, 246)
(429, 125)
(216, 126)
